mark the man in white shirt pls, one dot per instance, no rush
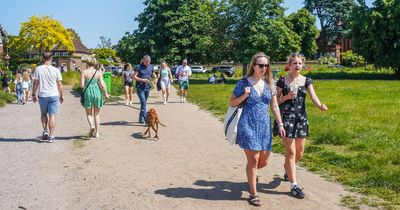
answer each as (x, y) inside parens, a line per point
(48, 80)
(183, 73)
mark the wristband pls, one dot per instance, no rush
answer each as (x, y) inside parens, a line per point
(280, 125)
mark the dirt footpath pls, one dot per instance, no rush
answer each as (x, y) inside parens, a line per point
(191, 166)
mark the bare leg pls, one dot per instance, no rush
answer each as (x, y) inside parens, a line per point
(89, 117)
(251, 169)
(167, 94)
(130, 94)
(290, 154)
(97, 120)
(126, 90)
(300, 142)
(262, 161)
(52, 124)
(45, 120)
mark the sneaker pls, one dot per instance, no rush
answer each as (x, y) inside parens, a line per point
(126, 104)
(181, 100)
(45, 135)
(164, 102)
(51, 139)
(297, 192)
(91, 132)
(97, 135)
(184, 100)
(130, 103)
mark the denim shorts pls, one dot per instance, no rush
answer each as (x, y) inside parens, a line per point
(49, 105)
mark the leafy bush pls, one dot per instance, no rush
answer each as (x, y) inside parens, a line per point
(327, 60)
(352, 59)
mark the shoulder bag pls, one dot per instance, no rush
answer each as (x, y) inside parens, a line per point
(83, 92)
(232, 119)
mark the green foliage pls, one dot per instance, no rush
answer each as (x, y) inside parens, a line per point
(327, 60)
(334, 17)
(351, 59)
(376, 33)
(356, 141)
(105, 42)
(103, 55)
(43, 33)
(6, 98)
(303, 23)
(171, 30)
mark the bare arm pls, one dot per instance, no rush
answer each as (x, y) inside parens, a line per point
(135, 77)
(315, 99)
(277, 116)
(60, 90)
(103, 86)
(34, 89)
(82, 85)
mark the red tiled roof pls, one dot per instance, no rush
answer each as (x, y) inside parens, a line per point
(79, 47)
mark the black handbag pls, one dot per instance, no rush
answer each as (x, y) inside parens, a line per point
(83, 92)
(159, 84)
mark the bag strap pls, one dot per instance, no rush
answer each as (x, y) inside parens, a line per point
(247, 84)
(89, 82)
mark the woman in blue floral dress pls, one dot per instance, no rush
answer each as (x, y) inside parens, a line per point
(254, 126)
(292, 91)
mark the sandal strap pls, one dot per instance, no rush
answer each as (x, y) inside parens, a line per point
(254, 200)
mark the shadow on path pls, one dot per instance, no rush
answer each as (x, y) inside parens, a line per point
(220, 190)
(39, 139)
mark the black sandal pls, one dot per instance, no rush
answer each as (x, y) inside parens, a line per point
(254, 200)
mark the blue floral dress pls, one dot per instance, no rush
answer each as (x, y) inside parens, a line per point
(254, 127)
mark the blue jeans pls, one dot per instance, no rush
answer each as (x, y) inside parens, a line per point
(18, 90)
(143, 94)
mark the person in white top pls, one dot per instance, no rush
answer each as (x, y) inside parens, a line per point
(183, 72)
(48, 82)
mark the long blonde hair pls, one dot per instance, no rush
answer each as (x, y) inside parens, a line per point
(296, 55)
(25, 76)
(268, 74)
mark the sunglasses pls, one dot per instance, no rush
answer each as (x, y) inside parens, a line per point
(261, 66)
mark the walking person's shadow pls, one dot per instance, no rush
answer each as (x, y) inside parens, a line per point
(220, 190)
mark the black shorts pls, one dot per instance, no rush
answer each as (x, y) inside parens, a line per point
(130, 84)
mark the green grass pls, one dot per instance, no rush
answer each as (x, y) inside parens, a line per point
(6, 98)
(356, 141)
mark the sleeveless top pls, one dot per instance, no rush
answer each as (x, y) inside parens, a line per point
(164, 73)
(93, 94)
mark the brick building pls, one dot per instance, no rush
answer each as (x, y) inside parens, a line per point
(71, 60)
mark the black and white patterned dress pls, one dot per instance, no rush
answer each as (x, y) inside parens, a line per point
(293, 112)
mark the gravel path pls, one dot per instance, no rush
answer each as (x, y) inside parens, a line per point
(189, 167)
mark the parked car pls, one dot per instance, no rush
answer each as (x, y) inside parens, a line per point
(115, 70)
(198, 69)
(226, 69)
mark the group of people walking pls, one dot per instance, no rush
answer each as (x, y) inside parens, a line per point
(257, 92)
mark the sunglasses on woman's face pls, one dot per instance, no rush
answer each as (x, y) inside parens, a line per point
(261, 66)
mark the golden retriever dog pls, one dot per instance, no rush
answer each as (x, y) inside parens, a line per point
(152, 121)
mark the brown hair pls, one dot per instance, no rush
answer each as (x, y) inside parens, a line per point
(268, 74)
(47, 56)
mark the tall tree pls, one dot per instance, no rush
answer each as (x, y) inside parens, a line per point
(303, 23)
(73, 34)
(255, 25)
(376, 33)
(333, 17)
(105, 42)
(42, 34)
(175, 29)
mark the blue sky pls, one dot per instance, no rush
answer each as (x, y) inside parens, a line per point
(90, 18)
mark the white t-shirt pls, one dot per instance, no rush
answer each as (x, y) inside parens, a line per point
(184, 72)
(48, 76)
